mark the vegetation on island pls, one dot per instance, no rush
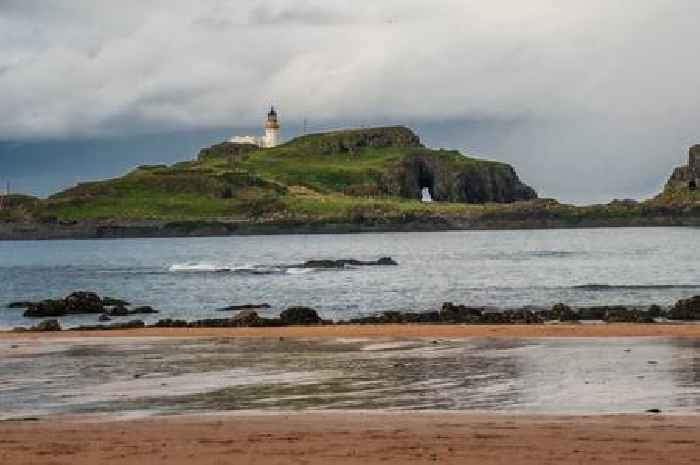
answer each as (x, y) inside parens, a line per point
(362, 177)
(335, 176)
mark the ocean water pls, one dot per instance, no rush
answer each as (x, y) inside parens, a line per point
(143, 376)
(191, 277)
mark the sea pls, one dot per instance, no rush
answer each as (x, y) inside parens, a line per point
(192, 278)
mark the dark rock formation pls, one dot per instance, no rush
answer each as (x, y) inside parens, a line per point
(134, 324)
(47, 325)
(245, 307)
(686, 309)
(119, 311)
(19, 304)
(123, 311)
(694, 162)
(449, 176)
(143, 310)
(686, 177)
(563, 313)
(300, 316)
(112, 302)
(48, 307)
(170, 323)
(627, 315)
(384, 261)
(655, 311)
(83, 302)
(460, 313)
(247, 318)
(592, 313)
(451, 313)
(396, 317)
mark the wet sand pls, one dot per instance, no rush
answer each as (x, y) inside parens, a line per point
(352, 438)
(398, 330)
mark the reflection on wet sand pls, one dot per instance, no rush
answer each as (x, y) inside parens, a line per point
(152, 375)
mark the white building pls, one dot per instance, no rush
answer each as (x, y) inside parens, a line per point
(271, 137)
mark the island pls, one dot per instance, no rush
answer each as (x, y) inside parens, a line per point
(356, 180)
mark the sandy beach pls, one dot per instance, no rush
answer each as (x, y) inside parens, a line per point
(400, 330)
(351, 438)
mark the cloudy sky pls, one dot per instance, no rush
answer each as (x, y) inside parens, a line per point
(588, 99)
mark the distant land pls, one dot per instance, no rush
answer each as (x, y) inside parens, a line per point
(342, 181)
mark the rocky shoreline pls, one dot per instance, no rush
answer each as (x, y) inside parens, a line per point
(165, 229)
(81, 303)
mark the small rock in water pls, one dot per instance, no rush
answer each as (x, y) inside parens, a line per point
(653, 362)
(300, 316)
(19, 304)
(47, 325)
(653, 410)
(104, 317)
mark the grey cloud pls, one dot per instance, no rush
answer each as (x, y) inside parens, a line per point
(609, 83)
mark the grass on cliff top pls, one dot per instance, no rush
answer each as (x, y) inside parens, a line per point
(335, 172)
(220, 187)
(138, 204)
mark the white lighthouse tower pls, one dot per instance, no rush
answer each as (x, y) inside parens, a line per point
(272, 130)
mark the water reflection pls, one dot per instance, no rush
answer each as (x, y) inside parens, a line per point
(535, 375)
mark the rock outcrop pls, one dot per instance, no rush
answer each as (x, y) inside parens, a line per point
(353, 140)
(686, 309)
(47, 325)
(227, 151)
(80, 303)
(342, 263)
(451, 177)
(300, 316)
(686, 178)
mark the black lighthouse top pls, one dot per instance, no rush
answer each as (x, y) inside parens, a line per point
(271, 122)
(272, 115)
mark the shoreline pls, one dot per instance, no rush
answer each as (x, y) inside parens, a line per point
(389, 330)
(145, 229)
(369, 437)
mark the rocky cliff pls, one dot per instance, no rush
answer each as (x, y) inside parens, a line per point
(683, 183)
(392, 162)
(451, 177)
(355, 140)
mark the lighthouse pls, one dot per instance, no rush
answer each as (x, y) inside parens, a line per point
(271, 137)
(272, 130)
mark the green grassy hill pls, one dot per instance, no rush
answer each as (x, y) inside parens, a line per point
(365, 179)
(339, 175)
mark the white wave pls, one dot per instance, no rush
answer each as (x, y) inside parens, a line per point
(299, 270)
(201, 267)
(205, 267)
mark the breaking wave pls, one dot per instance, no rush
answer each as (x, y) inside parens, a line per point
(246, 269)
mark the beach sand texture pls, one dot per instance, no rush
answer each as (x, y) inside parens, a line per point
(398, 330)
(352, 438)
